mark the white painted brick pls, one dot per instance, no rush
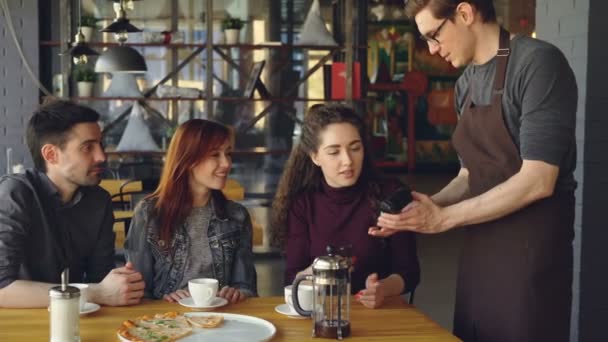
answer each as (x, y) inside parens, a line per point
(578, 193)
(18, 94)
(579, 67)
(581, 84)
(578, 174)
(578, 215)
(14, 135)
(577, 244)
(580, 148)
(580, 129)
(546, 29)
(581, 5)
(581, 46)
(542, 8)
(558, 8)
(566, 45)
(541, 3)
(580, 110)
(574, 24)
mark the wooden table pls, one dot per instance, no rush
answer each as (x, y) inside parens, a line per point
(395, 321)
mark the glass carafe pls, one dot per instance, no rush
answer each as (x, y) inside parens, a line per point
(331, 290)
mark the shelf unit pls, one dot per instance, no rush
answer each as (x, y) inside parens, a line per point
(287, 47)
(215, 98)
(289, 93)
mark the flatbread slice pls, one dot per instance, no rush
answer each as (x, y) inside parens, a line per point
(211, 321)
(170, 320)
(159, 328)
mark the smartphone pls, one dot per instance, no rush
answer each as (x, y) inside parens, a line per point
(396, 201)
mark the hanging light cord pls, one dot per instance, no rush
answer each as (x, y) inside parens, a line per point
(11, 29)
(79, 18)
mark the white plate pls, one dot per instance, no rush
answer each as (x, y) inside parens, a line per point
(216, 303)
(236, 328)
(286, 310)
(89, 308)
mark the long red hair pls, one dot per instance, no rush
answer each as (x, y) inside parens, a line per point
(193, 141)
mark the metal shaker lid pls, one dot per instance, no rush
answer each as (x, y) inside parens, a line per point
(64, 293)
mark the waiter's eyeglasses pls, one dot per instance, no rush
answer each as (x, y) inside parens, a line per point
(432, 39)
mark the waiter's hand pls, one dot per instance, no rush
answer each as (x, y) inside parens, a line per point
(420, 216)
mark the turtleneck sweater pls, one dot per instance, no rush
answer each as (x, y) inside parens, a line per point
(340, 217)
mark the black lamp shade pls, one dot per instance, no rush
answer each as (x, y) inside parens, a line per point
(82, 49)
(120, 25)
(121, 59)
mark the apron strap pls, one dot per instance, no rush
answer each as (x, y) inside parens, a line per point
(502, 58)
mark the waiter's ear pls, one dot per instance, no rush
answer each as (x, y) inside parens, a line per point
(466, 13)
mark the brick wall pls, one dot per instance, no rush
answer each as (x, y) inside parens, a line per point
(18, 94)
(577, 28)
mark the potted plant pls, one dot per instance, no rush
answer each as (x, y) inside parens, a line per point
(85, 79)
(232, 28)
(87, 26)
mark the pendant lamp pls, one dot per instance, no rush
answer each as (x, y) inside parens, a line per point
(121, 58)
(80, 50)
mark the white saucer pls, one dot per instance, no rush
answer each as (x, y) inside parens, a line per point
(89, 308)
(216, 303)
(286, 310)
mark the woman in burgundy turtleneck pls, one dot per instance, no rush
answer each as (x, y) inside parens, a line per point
(328, 195)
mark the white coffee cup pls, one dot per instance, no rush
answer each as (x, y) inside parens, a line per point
(305, 297)
(84, 294)
(203, 290)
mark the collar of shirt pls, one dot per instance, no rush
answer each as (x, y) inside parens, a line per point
(49, 190)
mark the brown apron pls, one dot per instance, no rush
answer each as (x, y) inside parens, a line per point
(515, 275)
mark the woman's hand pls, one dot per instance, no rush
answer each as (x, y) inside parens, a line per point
(231, 294)
(373, 295)
(174, 297)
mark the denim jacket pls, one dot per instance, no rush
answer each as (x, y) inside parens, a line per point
(230, 239)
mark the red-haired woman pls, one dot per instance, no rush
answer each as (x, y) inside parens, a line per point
(187, 229)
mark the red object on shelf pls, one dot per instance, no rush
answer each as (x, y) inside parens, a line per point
(338, 81)
(414, 84)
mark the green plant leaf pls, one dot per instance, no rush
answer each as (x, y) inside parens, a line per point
(88, 21)
(84, 74)
(232, 23)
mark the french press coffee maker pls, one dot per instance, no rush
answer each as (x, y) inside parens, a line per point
(331, 294)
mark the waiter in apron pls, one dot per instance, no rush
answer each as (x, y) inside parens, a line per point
(514, 194)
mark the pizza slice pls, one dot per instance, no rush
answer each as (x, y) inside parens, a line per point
(169, 320)
(211, 321)
(159, 328)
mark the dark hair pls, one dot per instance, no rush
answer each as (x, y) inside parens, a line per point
(446, 8)
(302, 175)
(193, 141)
(51, 123)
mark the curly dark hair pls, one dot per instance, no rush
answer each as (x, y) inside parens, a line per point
(302, 175)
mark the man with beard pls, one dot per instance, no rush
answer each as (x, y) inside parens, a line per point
(55, 216)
